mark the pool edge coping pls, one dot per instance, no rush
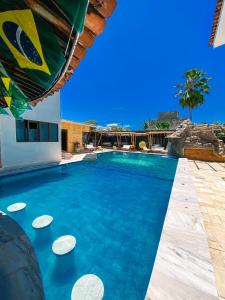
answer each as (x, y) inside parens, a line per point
(4, 172)
(183, 266)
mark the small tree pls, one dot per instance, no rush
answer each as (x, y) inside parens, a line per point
(146, 125)
(193, 90)
(91, 122)
(160, 125)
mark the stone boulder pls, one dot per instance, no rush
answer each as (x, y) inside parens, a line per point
(189, 135)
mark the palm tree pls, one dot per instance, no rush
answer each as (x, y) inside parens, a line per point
(146, 125)
(193, 90)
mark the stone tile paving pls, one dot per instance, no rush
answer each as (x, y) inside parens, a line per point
(209, 180)
(183, 267)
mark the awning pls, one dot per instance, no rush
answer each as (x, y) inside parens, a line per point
(38, 38)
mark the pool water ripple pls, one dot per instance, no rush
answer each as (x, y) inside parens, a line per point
(113, 206)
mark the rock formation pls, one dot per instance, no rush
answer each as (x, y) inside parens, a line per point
(197, 136)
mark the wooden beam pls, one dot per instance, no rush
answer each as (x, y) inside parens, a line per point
(80, 51)
(105, 8)
(44, 12)
(87, 38)
(95, 143)
(95, 23)
(151, 137)
(148, 138)
(74, 63)
(117, 137)
(88, 137)
(100, 139)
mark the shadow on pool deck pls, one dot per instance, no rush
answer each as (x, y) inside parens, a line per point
(19, 271)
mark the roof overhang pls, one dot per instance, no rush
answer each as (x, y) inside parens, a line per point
(54, 38)
(217, 37)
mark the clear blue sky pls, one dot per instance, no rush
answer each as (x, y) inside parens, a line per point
(129, 73)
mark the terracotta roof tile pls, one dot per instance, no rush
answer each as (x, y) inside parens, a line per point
(219, 5)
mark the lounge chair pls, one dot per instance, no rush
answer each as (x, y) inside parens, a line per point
(158, 149)
(90, 147)
(107, 144)
(145, 149)
(127, 147)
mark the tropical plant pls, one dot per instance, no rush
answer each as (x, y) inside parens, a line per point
(151, 124)
(146, 125)
(158, 125)
(165, 125)
(116, 128)
(217, 123)
(162, 125)
(193, 90)
(91, 122)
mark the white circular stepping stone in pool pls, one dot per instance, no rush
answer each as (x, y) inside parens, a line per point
(16, 207)
(88, 287)
(64, 244)
(42, 221)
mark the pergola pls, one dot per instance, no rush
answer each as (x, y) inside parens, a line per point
(133, 135)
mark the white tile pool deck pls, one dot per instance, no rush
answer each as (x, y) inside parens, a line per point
(194, 227)
(183, 267)
(209, 181)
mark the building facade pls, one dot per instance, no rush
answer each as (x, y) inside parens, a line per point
(74, 135)
(217, 37)
(34, 139)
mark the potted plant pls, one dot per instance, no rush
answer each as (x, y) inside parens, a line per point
(77, 147)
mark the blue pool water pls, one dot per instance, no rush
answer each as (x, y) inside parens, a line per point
(114, 206)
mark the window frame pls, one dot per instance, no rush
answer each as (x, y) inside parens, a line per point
(29, 133)
(26, 131)
(49, 132)
(48, 141)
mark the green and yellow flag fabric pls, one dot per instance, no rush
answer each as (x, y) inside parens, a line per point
(13, 97)
(32, 48)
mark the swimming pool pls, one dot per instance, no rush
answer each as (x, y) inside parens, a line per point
(114, 206)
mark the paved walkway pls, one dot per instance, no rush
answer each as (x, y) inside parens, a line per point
(209, 181)
(183, 267)
(22, 169)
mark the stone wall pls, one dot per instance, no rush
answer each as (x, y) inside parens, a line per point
(196, 136)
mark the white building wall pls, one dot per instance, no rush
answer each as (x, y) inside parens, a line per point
(18, 154)
(219, 39)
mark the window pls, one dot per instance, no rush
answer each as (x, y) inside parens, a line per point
(20, 130)
(53, 132)
(34, 131)
(44, 132)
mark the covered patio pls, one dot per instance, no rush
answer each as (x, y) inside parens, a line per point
(120, 138)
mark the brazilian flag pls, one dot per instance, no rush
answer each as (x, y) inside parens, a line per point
(31, 46)
(76, 12)
(13, 97)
